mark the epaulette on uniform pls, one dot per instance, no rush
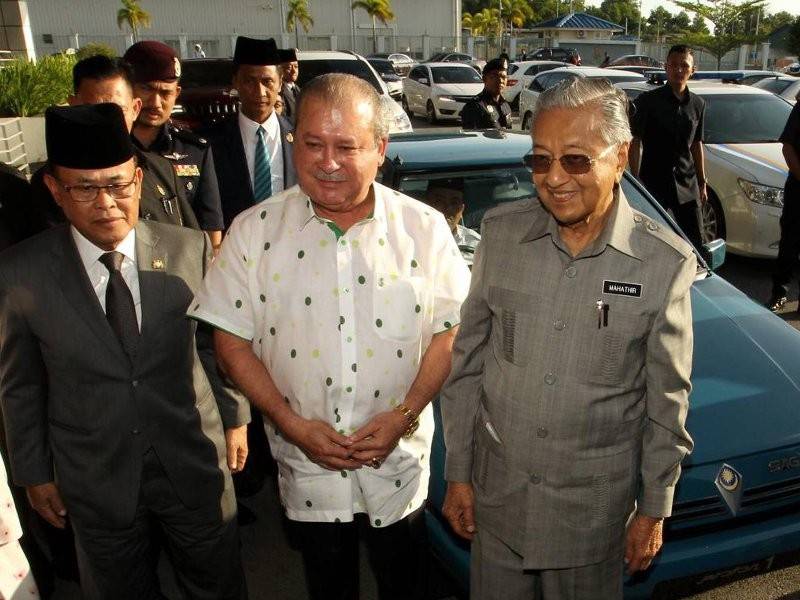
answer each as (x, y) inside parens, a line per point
(661, 233)
(508, 208)
(188, 136)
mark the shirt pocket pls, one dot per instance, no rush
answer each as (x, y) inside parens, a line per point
(618, 349)
(512, 326)
(398, 307)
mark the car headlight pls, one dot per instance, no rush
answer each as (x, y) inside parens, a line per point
(446, 99)
(762, 194)
(401, 123)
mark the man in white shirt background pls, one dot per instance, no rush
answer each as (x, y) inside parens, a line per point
(336, 303)
(253, 152)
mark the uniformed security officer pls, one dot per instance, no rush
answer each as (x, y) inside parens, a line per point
(489, 110)
(156, 72)
(789, 246)
(102, 79)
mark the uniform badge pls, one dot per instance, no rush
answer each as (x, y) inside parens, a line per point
(175, 156)
(490, 109)
(289, 137)
(189, 186)
(161, 190)
(187, 170)
(158, 264)
(622, 288)
(177, 67)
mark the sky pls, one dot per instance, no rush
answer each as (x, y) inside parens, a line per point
(773, 6)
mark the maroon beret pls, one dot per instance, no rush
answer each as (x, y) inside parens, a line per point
(153, 61)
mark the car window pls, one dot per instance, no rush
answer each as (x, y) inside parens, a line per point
(776, 86)
(556, 78)
(461, 57)
(541, 82)
(744, 118)
(311, 68)
(455, 75)
(206, 73)
(512, 69)
(417, 72)
(383, 66)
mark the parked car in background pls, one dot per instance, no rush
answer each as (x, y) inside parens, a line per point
(393, 81)
(207, 93)
(520, 75)
(458, 57)
(785, 86)
(737, 504)
(542, 81)
(646, 71)
(440, 90)
(745, 168)
(753, 76)
(566, 55)
(402, 62)
(636, 60)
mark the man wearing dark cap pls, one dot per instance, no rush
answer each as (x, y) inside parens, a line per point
(253, 152)
(489, 110)
(113, 404)
(156, 73)
(290, 69)
(102, 79)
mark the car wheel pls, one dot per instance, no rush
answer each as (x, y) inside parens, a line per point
(526, 122)
(430, 111)
(404, 103)
(713, 219)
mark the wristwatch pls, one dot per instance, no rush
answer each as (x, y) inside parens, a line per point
(411, 418)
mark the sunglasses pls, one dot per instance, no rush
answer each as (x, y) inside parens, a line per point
(574, 164)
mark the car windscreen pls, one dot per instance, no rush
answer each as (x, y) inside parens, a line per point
(776, 86)
(455, 75)
(311, 68)
(383, 66)
(206, 74)
(744, 118)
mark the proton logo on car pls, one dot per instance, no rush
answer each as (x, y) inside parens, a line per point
(784, 464)
(729, 484)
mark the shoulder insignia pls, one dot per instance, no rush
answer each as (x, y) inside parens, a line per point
(187, 170)
(189, 136)
(661, 233)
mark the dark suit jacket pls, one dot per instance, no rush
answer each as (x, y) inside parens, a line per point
(235, 188)
(78, 410)
(289, 97)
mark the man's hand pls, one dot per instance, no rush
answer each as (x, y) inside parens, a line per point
(703, 192)
(46, 500)
(643, 542)
(236, 445)
(321, 443)
(378, 437)
(458, 508)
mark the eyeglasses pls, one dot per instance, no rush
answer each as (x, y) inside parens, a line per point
(82, 192)
(574, 164)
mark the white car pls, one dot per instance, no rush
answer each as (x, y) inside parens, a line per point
(520, 75)
(745, 168)
(313, 63)
(547, 79)
(785, 86)
(440, 90)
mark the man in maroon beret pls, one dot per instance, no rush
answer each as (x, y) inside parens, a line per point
(156, 75)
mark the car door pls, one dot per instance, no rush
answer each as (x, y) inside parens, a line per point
(413, 87)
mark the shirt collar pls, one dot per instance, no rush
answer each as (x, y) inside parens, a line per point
(378, 211)
(682, 100)
(616, 233)
(90, 253)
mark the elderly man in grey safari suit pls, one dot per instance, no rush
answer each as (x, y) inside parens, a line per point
(564, 412)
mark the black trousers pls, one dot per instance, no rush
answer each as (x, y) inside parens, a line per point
(397, 555)
(688, 217)
(202, 545)
(789, 246)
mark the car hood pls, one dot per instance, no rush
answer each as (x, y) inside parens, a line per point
(459, 89)
(746, 376)
(761, 163)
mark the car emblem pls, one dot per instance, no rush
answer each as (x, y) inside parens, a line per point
(729, 485)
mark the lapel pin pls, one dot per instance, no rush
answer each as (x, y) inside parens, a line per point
(289, 137)
(161, 190)
(158, 264)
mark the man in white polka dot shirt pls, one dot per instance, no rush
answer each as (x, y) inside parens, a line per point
(336, 303)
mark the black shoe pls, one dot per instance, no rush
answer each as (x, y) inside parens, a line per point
(776, 303)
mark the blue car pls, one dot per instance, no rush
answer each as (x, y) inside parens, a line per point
(737, 506)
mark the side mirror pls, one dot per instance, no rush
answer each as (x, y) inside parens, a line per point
(713, 253)
(423, 80)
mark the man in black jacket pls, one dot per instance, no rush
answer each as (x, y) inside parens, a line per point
(489, 110)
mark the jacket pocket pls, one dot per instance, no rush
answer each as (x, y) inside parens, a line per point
(513, 323)
(398, 307)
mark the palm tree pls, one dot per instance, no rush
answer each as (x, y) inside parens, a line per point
(298, 15)
(379, 10)
(134, 16)
(517, 13)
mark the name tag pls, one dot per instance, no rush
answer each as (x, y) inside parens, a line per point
(187, 171)
(622, 288)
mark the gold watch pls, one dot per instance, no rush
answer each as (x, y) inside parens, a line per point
(411, 418)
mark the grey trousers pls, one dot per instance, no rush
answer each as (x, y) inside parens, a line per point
(496, 573)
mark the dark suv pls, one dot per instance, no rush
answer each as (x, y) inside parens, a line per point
(566, 55)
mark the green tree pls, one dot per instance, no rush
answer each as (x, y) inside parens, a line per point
(379, 10)
(618, 11)
(658, 22)
(726, 17)
(698, 25)
(134, 16)
(794, 38)
(298, 14)
(94, 49)
(680, 23)
(516, 13)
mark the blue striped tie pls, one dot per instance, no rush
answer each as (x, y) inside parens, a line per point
(262, 175)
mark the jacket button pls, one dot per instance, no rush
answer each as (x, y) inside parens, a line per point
(559, 325)
(541, 432)
(570, 272)
(135, 431)
(135, 383)
(549, 379)
(536, 479)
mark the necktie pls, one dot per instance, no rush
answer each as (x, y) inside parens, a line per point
(262, 176)
(120, 311)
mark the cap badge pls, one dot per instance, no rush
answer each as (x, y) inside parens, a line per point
(177, 67)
